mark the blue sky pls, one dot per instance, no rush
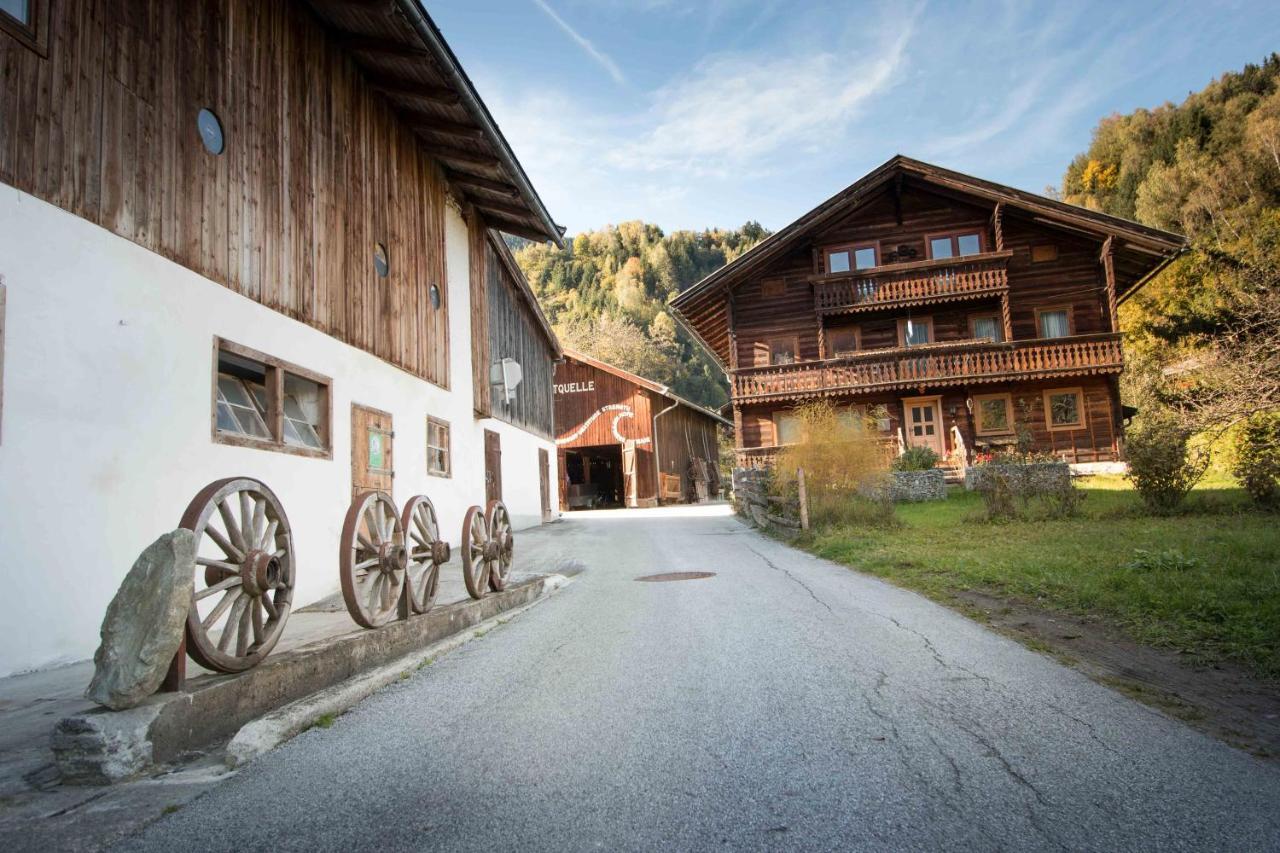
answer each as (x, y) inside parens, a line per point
(690, 115)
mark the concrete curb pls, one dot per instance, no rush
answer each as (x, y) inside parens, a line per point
(270, 731)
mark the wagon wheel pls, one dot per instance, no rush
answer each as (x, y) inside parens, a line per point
(373, 560)
(498, 520)
(244, 574)
(427, 551)
(477, 561)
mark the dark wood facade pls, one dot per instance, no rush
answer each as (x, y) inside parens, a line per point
(336, 119)
(649, 444)
(1028, 305)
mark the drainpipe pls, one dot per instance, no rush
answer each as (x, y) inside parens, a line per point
(657, 460)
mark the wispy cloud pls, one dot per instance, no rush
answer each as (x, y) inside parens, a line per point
(601, 58)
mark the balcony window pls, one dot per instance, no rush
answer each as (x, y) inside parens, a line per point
(993, 414)
(844, 340)
(1064, 408)
(956, 245)
(787, 428)
(847, 258)
(987, 326)
(915, 331)
(1054, 322)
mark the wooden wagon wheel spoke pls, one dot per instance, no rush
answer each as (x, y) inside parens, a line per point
(372, 560)
(426, 554)
(254, 573)
(502, 544)
(475, 543)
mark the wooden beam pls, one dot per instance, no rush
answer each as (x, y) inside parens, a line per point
(409, 90)
(462, 155)
(1107, 256)
(501, 208)
(423, 123)
(733, 332)
(383, 47)
(478, 182)
(997, 225)
(519, 229)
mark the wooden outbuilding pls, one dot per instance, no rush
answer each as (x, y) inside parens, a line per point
(624, 440)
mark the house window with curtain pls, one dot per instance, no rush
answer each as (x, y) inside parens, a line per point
(915, 331)
(1054, 322)
(987, 326)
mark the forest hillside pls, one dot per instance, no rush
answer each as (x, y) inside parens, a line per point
(606, 294)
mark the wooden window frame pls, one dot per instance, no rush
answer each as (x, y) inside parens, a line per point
(794, 340)
(34, 35)
(275, 369)
(852, 249)
(978, 428)
(902, 330)
(959, 232)
(773, 288)
(1048, 409)
(1050, 246)
(447, 447)
(777, 434)
(857, 339)
(1046, 309)
(999, 321)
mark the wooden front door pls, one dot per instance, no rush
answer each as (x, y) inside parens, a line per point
(544, 483)
(372, 466)
(923, 423)
(492, 466)
(630, 480)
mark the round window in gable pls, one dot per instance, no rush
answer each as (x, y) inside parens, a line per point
(435, 296)
(380, 261)
(210, 131)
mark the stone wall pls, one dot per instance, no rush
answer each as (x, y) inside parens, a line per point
(1036, 477)
(910, 486)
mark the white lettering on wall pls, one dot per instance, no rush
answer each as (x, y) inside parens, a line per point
(575, 387)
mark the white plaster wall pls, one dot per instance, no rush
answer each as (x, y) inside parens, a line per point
(105, 434)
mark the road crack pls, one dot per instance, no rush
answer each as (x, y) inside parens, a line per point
(771, 564)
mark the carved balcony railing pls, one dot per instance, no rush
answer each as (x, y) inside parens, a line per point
(914, 283)
(952, 363)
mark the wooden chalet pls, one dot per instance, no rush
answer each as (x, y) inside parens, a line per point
(947, 308)
(250, 238)
(626, 441)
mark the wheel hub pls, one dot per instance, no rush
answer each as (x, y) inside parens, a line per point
(440, 552)
(260, 573)
(392, 557)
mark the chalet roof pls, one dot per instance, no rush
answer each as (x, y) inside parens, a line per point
(1140, 251)
(404, 56)
(649, 384)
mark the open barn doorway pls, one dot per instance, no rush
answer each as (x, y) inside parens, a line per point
(594, 477)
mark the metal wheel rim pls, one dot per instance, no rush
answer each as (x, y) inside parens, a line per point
(498, 520)
(372, 578)
(254, 576)
(475, 537)
(422, 531)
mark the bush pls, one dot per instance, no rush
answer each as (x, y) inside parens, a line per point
(1258, 459)
(998, 497)
(1161, 466)
(838, 455)
(916, 459)
(1169, 560)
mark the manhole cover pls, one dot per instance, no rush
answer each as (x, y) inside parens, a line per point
(676, 576)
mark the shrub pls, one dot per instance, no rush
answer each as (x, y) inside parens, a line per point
(838, 454)
(998, 497)
(1169, 560)
(1258, 459)
(1061, 499)
(1161, 466)
(916, 459)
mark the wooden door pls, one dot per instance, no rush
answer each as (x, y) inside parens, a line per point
(372, 463)
(544, 483)
(923, 421)
(492, 466)
(630, 482)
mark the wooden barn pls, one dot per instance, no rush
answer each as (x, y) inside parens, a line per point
(624, 440)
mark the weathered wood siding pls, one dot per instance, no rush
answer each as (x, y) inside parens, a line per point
(514, 333)
(582, 414)
(316, 169)
(685, 435)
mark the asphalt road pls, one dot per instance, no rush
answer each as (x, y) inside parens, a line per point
(784, 703)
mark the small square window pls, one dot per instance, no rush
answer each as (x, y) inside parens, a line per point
(993, 414)
(915, 331)
(1044, 253)
(438, 458)
(784, 351)
(1064, 409)
(940, 247)
(969, 244)
(844, 341)
(864, 259)
(838, 262)
(989, 327)
(264, 402)
(1054, 323)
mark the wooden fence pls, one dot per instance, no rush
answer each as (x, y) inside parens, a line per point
(752, 500)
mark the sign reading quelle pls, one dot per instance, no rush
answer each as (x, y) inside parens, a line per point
(575, 387)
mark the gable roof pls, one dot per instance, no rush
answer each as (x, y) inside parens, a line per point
(404, 57)
(1141, 251)
(649, 384)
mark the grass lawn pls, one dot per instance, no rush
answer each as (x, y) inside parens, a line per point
(1206, 581)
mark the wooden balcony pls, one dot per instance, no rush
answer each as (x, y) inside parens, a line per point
(932, 365)
(914, 283)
